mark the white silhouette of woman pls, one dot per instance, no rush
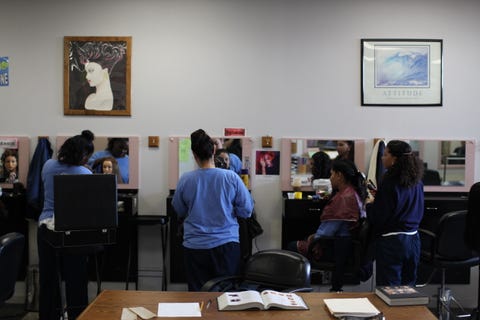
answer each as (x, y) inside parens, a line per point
(98, 77)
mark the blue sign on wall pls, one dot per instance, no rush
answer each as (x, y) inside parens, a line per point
(4, 71)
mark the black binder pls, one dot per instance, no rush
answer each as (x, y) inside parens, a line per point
(85, 202)
(85, 209)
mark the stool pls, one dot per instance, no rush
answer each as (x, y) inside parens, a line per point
(149, 220)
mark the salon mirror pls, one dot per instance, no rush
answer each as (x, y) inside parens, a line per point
(296, 154)
(181, 158)
(449, 164)
(128, 160)
(15, 157)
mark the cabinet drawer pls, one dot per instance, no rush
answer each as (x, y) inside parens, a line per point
(302, 209)
(437, 206)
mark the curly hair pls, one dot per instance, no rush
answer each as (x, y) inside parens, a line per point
(76, 150)
(408, 168)
(202, 145)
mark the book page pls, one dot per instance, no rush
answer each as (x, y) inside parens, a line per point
(282, 300)
(351, 306)
(240, 300)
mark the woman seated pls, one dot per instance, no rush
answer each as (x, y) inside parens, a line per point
(344, 208)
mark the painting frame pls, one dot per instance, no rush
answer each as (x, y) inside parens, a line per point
(107, 90)
(402, 72)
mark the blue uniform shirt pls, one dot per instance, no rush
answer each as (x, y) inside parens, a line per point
(210, 200)
(51, 168)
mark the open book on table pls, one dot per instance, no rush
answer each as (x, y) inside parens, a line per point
(351, 307)
(260, 300)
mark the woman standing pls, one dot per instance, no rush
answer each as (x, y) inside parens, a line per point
(72, 157)
(209, 200)
(395, 215)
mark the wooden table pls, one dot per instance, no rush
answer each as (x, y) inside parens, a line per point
(108, 305)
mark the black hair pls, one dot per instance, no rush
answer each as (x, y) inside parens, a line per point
(321, 165)
(408, 168)
(351, 174)
(76, 150)
(117, 146)
(202, 145)
(351, 151)
(220, 162)
(9, 153)
(221, 150)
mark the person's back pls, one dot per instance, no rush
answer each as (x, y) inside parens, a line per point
(209, 200)
(221, 194)
(50, 169)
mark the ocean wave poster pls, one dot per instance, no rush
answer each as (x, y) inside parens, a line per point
(401, 72)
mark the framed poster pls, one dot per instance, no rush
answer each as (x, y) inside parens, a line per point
(97, 76)
(402, 72)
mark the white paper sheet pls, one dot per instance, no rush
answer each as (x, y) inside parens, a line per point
(179, 309)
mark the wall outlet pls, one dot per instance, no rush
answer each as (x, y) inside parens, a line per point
(153, 141)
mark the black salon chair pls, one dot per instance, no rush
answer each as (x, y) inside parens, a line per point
(445, 248)
(275, 269)
(344, 257)
(472, 230)
(11, 252)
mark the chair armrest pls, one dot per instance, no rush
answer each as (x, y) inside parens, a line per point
(428, 239)
(427, 232)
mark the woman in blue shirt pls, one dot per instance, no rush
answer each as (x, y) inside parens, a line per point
(72, 157)
(395, 215)
(209, 200)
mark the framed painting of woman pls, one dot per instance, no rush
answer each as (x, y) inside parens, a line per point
(97, 76)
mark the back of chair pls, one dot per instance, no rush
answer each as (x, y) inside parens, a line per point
(11, 251)
(450, 243)
(279, 269)
(472, 228)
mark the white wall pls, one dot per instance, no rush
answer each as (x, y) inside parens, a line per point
(276, 67)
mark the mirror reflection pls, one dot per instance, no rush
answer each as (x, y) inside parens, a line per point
(311, 158)
(232, 153)
(444, 161)
(111, 156)
(9, 169)
(122, 154)
(14, 161)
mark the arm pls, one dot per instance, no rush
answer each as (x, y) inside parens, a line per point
(380, 210)
(178, 204)
(243, 202)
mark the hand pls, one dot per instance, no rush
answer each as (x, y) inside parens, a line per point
(370, 199)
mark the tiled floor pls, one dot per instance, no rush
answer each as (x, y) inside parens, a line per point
(16, 312)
